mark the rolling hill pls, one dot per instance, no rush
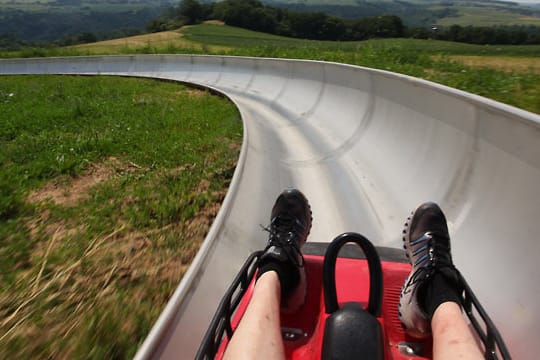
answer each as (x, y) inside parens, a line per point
(47, 20)
(507, 73)
(426, 12)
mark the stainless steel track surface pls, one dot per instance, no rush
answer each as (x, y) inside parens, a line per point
(366, 147)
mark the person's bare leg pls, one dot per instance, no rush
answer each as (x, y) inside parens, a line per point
(258, 335)
(281, 281)
(452, 337)
(430, 301)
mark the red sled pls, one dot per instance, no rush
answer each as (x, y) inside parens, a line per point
(351, 307)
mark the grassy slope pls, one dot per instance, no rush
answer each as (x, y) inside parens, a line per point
(445, 62)
(172, 39)
(228, 36)
(429, 59)
(108, 186)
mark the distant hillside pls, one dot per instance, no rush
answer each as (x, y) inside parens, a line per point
(36, 20)
(425, 12)
(75, 21)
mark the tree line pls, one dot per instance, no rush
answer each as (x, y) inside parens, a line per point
(497, 35)
(254, 15)
(412, 14)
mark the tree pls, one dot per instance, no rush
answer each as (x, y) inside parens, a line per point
(454, 33)
(264, 19)
(333, 28)
(387, 26)
(192, 10)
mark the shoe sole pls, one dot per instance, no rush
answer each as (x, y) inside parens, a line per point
(406, 240)
(310, 219)
(310, 214)
(407, 233)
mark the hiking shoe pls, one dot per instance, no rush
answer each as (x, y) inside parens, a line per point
(290, 224)
(433, 278)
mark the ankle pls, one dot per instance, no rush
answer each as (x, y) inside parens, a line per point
(269, 279)
(440, 290)
(287, 275)
(446, 313)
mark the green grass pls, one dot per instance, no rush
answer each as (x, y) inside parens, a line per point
(437, 47)
(108, 186)
(212, 34)
(426, 59)
(32, 52)
(251, 43)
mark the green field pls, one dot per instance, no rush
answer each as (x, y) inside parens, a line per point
(438, 61)
(480, 16)
(428, 59)
(108, 186)
(240, 39)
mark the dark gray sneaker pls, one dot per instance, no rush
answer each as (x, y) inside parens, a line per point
(290, 224)
(427, 245)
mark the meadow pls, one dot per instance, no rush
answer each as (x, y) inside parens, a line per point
(509, 73)
(108, 186)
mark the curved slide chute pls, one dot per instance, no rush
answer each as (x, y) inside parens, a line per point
(365, 146)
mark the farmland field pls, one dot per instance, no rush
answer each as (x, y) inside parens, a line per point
(504, 63)
(479, 16)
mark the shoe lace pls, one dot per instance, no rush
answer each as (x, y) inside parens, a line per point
(282, 234)
(427, 263)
